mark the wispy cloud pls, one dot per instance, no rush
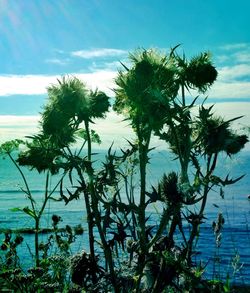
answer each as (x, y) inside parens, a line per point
(236, 46)
(106, 66)
(234, 53)
(57, 61)
(97, 53)
(243, 56)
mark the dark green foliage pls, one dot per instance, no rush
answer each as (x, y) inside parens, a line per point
(215, 135)
(82, 268)
(9, 246)
(200, 73)
(52, 274)
(57, 126)
(70, 103)
(40, 155)
(146, 89)
(70, 96)
(99, 104)
(169, 189)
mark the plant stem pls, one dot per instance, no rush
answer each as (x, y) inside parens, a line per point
(143, 143)
(37, 224)
(107, 250)
(183, 93)
(25, 182)
(209, 171)
(89, 219)
(38, 218)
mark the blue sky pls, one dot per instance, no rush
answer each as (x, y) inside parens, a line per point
(41, 40)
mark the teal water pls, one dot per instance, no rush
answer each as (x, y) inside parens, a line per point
(235, 208)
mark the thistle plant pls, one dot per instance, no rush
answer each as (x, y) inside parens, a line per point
(152, 95)
(67, 116)
(198, 140)
(144, 94)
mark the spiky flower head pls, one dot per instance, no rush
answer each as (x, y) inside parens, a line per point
(169, 189)
(69, 104)
(215, 134)
(200, 73)
(145, 90)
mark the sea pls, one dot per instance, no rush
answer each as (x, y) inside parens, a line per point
(231, 259)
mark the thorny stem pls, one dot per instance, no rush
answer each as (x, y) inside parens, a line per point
(89, 220)
(164, 220)
(107, 250)
(183, 94)
(143, 157)
(210, 169)
(131, 202)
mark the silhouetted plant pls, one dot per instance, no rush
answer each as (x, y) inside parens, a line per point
(132, 253)
(153, 106)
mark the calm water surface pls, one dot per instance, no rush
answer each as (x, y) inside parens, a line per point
(235, 208)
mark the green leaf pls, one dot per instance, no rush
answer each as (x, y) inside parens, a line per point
(56, 199)
(26, 210)
(95, 137)
(81, 133)
(16, 209)
(29, 212)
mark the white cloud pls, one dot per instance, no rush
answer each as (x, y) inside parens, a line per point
(12, 127)
(230, 73)
(230, 90)
(227, 86)
(24, 84)
(232, 82)
(10, 120)
(37, 84)
(103, 80)
(232, 110)
(96, 53)
(111, 130)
